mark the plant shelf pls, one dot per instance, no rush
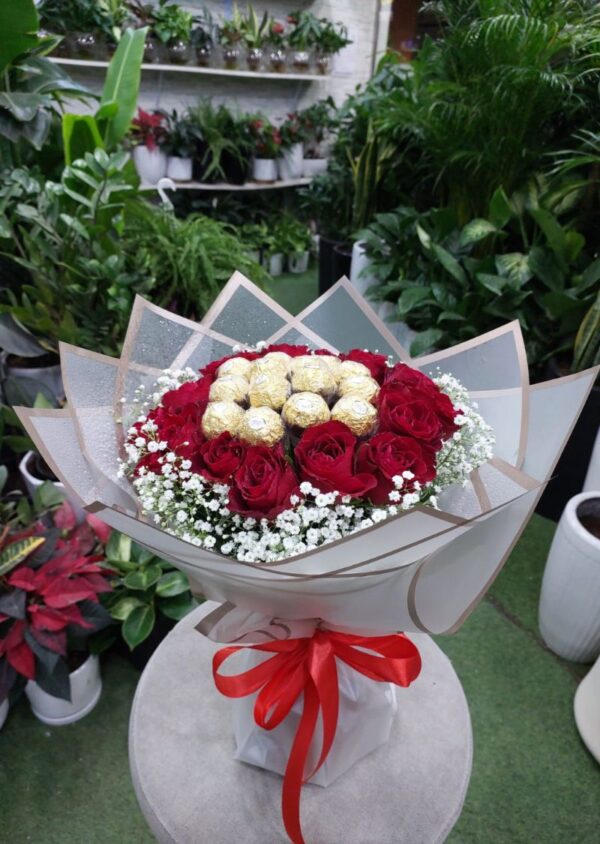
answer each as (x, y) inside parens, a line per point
(227, 186)
(209, 71)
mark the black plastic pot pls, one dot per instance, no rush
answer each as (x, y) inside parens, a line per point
(236, 173)
(199, 168)
(342, 259)
(327, 276)
(139, 656)
(569, 475)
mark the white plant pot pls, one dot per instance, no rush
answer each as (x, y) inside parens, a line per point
(313, 167)
(298, 261)
(86, 687)
(151, 164)
(291, 164)
(32, 483)
(570, 596)
(275, 267)
(3, 711)
(360, 278)
(264, 170)
(179, 169)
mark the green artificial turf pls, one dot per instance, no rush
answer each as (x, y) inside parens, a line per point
(533, 780)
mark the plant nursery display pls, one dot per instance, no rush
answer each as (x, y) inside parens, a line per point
(324, 493)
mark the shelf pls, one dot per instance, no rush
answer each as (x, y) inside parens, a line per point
(226, 186)
(207, 71)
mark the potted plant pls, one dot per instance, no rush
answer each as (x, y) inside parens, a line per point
(298, 244)
(51, 576)
(84, 25)
(236, 156)
(291, 163)
(27, 369)
(225, 146)
(255, 33)
(273, 255)
(231, 33)
(303, 36)
(148, 596)
(149, 134)
(173, 26)
(276, 43)
(267, 149)
(202, 38)
(254, 237)
(144, 18)
(331, 38)
(318, 121)
(183, 136)
(568, 615)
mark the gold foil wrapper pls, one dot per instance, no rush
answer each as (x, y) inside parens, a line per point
(301, 361)
(221, 416)
(268, 390)
(355, 412)
(235, 366)
(333, 363)
(261, 426)
(349, 368)
(359, 385)
(302, 410)
(229, 388)
(273, 364)
(314, 378)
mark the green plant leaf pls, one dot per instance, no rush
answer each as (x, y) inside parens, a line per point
(122, 84)
(46, 496)
(3, 477)
(143, 578)
(544, 265)
(18, 29)
(412, 298)
(18, 551)
(499, 211)
(118, 547)
(450, 264)
(515, 266)
(475, 231)
(80, 134)
(178, 606)
(425, 341)
(172, 583)
(138, 625)
(590, 277)
(493, 283)
(123, 608)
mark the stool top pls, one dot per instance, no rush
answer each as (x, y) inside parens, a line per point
(191, 790)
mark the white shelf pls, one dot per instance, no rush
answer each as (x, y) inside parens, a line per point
(226, 186)
(208, 71)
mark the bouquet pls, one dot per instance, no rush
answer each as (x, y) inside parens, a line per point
(344, 496)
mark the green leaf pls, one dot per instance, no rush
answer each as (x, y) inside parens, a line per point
(118, 547)
(18, 551)
(19, 25)
(558, 304)
(555, 234)
(122, 84)
(177, 607)
(172, 583)
(3, 477)
(425, 341)
(590, 276)
(450, 264)
(138, 625)
(46, 496)
(143, 578)
(124, 607)
(499, 211)
(80, 134)
(515, 266)
(493, 283)
(411, 298)
(544, 265)
(475, 231)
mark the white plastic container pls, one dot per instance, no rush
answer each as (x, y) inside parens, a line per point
(298, 261)
(275, 264)
(313, 167)
(264, 170)
(179, 169)
(86, 687)
(32, 483)
(3, 711)
(151, 164)
(291, 164)
(569, 613)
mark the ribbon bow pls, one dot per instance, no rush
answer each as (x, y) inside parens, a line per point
(308, 665)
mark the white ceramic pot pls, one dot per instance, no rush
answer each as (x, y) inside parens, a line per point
(360, 278)
(313, 167)
(179, 169)
(151, 164)
(298, 261)
(264, 170)
(570, 597)
(275, 264)
(32, 482)
(291, 163)
(3, 711)
(86, 687)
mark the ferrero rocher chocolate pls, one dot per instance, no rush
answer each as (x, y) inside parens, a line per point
(314, 378)
(229, 388)
(261, 426)
(271, 364)
(332, 362)
(302, 410)
(221, 416)
(301, 361)
(268, 390)
(280, 359)
(359, 385)
(359, 415)
(352, 367)
(235, 366)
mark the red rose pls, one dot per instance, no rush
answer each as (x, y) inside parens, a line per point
(376, 364)
(415, 413)
(263, 484)
(292, 351)
(386, 455)
(402, 375)
(325, 458)
(193, 395)
(220, 457)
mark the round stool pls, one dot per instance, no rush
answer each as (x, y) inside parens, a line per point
(192, 791)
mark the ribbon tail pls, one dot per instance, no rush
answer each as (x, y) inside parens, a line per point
(294, 772)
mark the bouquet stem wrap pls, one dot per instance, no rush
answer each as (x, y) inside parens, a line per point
(308, 666)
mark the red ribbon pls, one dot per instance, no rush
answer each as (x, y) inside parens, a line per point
(309, 666)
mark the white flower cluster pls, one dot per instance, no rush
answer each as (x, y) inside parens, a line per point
(188, 506)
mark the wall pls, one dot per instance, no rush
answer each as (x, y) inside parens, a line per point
(274, 97)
